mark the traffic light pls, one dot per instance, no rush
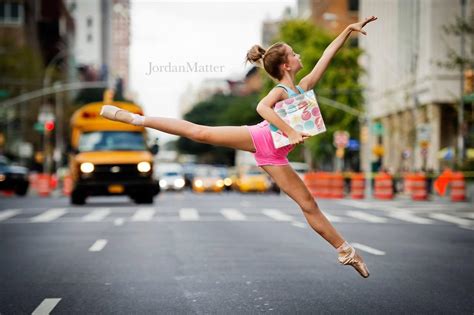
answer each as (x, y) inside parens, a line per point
(49, 126)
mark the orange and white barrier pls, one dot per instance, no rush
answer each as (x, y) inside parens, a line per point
(336, 186)
(357, 186)
(418, 187)
(383, 186)
(44, 185)
(458, 187)
(67, 185)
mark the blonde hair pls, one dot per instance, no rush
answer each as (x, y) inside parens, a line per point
(270, 59)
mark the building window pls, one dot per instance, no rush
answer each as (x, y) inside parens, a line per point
(89, 21)
(89, 38)
(11, 13)
(353, 5)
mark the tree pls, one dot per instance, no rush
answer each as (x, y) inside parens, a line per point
(339, 82)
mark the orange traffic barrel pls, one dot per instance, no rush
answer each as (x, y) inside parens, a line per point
(43, 185)
(67, 185)
(336, 185)
(458, 187)
(357, 186)
(383, 186)
(408, 183)
(33, 179)
(418, 187)
(308, 179)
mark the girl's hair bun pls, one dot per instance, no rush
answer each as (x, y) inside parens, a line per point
(255, 55)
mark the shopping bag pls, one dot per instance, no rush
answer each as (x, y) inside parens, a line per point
(302, 113)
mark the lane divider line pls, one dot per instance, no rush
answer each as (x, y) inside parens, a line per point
(98, 245)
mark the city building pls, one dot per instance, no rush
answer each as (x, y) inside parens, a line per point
(412, 100)
(103, 38)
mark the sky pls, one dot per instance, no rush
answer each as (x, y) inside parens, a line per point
(212, 34)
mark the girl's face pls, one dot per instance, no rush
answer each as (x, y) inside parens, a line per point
(293, 63)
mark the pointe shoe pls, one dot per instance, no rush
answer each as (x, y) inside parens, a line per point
(110, 112)
(351, 257)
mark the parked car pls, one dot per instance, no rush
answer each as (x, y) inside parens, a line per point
(226, 175)
(253, 179)
(13, 177)
(170, 176)
(207, 178)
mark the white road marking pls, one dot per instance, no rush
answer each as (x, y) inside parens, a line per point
(98, 245)
(368, 249)
(469, 215)
(4, 215)
(143, 214)
(298, 224)
(233, 214)
(332, 218)
(366, 216)
(97, 215)
(277, 215)
(405, 216)
(450, 219)
(46, 306)
(48, 216)
(119, 221)
(188, 214)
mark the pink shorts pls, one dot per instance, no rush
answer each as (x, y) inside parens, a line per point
(266, 154)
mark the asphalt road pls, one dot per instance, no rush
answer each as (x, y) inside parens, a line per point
(232, 254)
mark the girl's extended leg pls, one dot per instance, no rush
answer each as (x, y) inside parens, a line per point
(290, 183)
(236, 137)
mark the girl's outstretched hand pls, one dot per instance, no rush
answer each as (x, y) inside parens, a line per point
(297, 137)
(359, 25)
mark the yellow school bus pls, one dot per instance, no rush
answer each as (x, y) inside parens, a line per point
(109, 157)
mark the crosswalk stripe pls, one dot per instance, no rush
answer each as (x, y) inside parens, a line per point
(368, 249)
(332, 218)
(46, 306)
(404, 216)
(366, 216)
(188, 214)
(97, 215)
(119, 221)
(49, 215)
(469, 215)
(233, 214)
(298, 224)
(277, 215)
(98, 245)
(143, 214)
(4, 215)
(450, 219)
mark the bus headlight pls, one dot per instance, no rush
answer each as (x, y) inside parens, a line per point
(87, 167)
(144, 167)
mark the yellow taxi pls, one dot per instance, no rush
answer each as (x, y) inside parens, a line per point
(253, 179)
(207, 178)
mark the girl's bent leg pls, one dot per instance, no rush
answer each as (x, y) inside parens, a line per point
(293, 186)
(290, 183)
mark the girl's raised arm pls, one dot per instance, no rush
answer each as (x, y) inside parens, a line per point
(310, 80)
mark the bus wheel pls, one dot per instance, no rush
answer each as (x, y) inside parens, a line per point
(77, 198)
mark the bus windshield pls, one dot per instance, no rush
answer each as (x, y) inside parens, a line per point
(112, 141)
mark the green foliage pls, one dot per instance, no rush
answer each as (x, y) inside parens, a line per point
(339, 83)
(219, 110)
